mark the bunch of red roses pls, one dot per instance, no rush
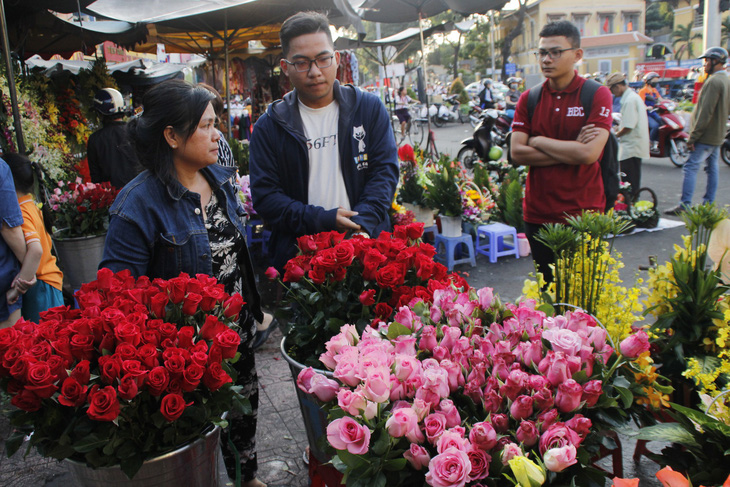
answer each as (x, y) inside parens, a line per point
(82, 209)
(359, 281)
(141, 367)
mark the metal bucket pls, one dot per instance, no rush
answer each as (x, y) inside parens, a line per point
(315, 418)
(79, 258)
(422, 214)
(193, 465)
(450, 226)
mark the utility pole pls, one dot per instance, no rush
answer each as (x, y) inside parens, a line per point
(491, 39)
(711, 28)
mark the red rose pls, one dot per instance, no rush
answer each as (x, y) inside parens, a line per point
(126, 351)
(81, 372)
(26, 400)
(151, 337)
(228, 342)
(104, 405)
(191, 303)
(211, 295)
(199, 357)
(8, 337)
(211, 327)
(172, 406)
(110, 367)
(271, 273)
(58, 368)
(367, 297)
(415, 230)
(185, 337)
(175, 365)
(128, 387)
(326, 260)
(19, 367)
(391, 275)
(406, 153)
(175, 385)
(383, 311)
(147, 354)
(158, 303)
(168, 330)
(296, 268)
(40, 351)
(73, 394)
(371, 261)
(40, 380)
(232, 306)
(215, 377)
(306, 244)
(344, 252)
(191, 378)
(157, 380)
(176, 287)
(128, 333)
(133, 368)
(82, 346)
(317, 275)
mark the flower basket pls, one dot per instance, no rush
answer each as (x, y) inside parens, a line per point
(141, 368)
(422, 214)
(644, 213)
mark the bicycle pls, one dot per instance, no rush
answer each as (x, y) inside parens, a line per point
(415, 130)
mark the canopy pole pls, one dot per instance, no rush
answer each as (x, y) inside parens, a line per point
(227, 77)
(11, 82)
(425, 77)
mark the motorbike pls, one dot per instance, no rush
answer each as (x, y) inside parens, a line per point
(672, 139)
(502, 126)
(477, 147)
(725, 149)
(443, 114)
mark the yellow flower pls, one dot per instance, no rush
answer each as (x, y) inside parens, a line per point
(526, 472)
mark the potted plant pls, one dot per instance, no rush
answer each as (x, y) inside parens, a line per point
(412, 189)
(463, 391)
(443, 193)
(140, 370)
(81, 220)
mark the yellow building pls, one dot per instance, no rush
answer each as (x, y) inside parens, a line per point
(612, 34)
(690, 13)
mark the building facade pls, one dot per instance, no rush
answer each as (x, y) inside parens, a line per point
(612, 34)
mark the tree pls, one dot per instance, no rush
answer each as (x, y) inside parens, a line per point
(726, 30)
(444, 17)
(683, 36)
(512, 35)
(476, 44)
(659, 15)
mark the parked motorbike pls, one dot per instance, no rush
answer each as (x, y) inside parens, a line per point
(477, 147)
(502, 127)
(443, 113)
(672, 137)
(725, 149)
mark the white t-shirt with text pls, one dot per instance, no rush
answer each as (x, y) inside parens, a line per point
(326, 184)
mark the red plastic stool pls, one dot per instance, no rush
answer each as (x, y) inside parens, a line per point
(323, 475)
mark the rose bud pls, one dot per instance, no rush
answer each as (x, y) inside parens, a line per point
(500, 422)
(271, 273)
(569, 396)
(634, 345)
(592, 391)
(521, 408)
(417, 456)
(527, 433)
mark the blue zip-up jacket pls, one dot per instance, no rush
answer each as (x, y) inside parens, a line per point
(158, 230)
(279, 165)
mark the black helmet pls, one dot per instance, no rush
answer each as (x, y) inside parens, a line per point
(109, 101)
(716, 53)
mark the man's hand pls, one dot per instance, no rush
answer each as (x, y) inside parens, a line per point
(343, 221)
(587, 133)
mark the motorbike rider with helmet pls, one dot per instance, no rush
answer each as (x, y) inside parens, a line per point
(651, 97)
(512, 96)
(110, 155)
(486, 97)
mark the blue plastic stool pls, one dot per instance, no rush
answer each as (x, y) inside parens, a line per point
(433, 230)
(450, 245)
(490, 241)
(253, 237)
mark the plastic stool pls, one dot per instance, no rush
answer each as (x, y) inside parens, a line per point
(488, 241)
(450, 245)
(251, 236)
(433, 230)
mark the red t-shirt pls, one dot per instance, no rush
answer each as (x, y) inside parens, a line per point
(554, 192)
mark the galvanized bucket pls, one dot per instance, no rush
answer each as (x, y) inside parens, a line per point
(315, 418)
(79, 258)
(195, 464)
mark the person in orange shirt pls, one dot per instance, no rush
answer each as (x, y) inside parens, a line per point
(46, 293)
(651, 97)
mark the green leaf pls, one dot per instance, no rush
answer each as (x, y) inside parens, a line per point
(14, 442)
(627, 398)
(89, 443)
(395, 465)
(396, 329)
(130, 466)
(669, 432)
(352, 461)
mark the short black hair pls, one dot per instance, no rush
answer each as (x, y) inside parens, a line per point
(300, 24)
(562, 28)
(174, 103)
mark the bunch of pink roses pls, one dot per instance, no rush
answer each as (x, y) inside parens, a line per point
(455, 392)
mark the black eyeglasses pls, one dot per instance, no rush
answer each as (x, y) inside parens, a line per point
(304, 65)
(552, 53)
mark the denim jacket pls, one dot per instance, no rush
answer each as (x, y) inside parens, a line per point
(158, 231)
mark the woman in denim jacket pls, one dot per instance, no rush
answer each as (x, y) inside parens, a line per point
(183, 215)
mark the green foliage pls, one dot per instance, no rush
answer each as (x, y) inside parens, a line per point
(240, 155)
(509, 200)
(442, 187)
(700, 445)
(683, 36)
(659, 15)
(90, 81)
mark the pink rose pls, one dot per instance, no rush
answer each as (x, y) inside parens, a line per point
(347, 434)
(529, 353)
(547, 418)
(514, 385)
(404, 422)
(500, 422)
(558, 436)
(435, 425)
(453, 418)
(417, 456)
(543, 399)
(580, 424)
(323, 388)
(555, 367)
(271, 273)
(568, 397)
(566, 341)
(483, 435)
(406, 367)
(449, 469)
(592, 391)
(510, 451)
(521, 408)
(347, 369)
(558, 459)
(406, 344)
(527, 433)
(480, 461)
(352, 403)
(377, 384)
(452, 439)
(634, 345)
(428, 338)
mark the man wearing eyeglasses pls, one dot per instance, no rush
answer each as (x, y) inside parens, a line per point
(324, 157)
(560, 143)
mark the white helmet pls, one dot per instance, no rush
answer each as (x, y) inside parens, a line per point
(109, 101)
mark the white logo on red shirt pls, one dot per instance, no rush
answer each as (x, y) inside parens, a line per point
(575, 112)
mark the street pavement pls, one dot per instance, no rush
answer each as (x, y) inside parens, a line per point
(281, 437)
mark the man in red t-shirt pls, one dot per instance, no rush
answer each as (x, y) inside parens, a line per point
(561, 143)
